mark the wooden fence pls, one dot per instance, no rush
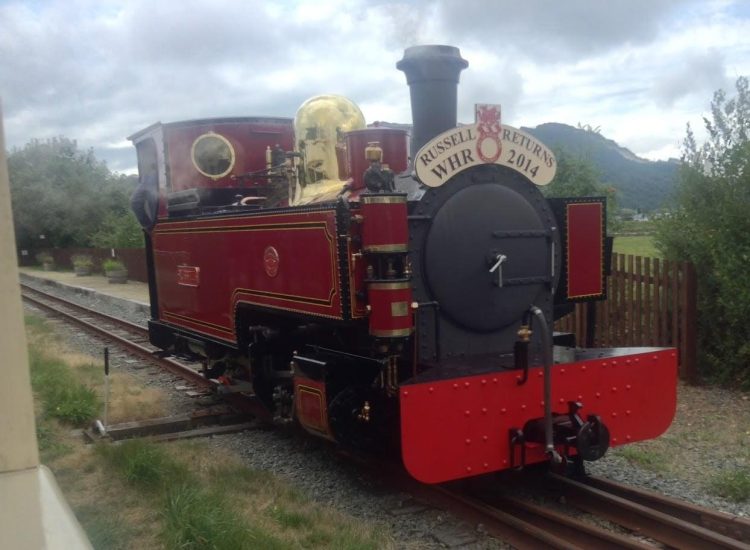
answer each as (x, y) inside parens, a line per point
(651, 302)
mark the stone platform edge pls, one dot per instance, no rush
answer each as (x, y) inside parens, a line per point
(137, 307)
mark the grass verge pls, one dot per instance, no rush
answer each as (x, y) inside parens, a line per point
(184, 495)
(205, 499)
(649, 460)
(733, 485)
(637, 245)
(60, 394)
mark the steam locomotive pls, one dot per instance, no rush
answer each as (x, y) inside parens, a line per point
(393, 303)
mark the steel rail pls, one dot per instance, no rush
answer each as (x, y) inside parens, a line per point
(134, 327)
(582, 534)
(661, 526)
(171, 365)
(517, 532)
(730, 525)
(246, 403)
(519, 523)
(526, 525)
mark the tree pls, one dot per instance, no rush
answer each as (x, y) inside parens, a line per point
(62, 193)
(578, 177)
(119, 231)
(710, 227)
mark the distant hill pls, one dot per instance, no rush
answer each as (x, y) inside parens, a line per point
(640, 183)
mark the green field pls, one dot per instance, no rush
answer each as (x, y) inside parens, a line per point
(637, 245)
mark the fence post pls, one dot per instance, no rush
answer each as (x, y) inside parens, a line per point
(689, 348)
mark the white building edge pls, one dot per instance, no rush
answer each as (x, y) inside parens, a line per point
(33, 512)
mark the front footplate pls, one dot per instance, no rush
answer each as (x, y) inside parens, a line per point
(458, 427)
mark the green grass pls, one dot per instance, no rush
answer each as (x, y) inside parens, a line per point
(104, 529)
(62, 396)
(194, 516)
(50, 440)
(61, 399)
(648, 460)
(291, 519)
(37, 324)
(637, 245)
(733, 485)
(197, 518)
(143, 464)
(174, 496)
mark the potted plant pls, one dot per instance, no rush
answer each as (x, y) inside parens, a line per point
(47, 261)
(82, 264)
(115, 270)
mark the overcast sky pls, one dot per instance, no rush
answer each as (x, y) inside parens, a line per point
(97, 70)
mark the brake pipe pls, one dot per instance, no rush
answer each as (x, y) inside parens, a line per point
(549, 446)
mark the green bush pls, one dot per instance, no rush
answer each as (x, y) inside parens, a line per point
(119, 230)
(45, 258)
(709, 227)
(82, 261)
(112, 264)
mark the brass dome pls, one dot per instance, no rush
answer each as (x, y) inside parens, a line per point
(320, 125)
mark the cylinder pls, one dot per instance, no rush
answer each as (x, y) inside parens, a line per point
(432, 73)
(390, 309)
(384, 224)
(391, 140)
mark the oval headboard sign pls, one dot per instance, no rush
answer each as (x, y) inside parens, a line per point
(485, 142)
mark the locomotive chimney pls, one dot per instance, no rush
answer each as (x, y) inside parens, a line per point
(432, 74)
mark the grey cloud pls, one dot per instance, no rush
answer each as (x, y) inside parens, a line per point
(552, 31)
(699, 75)
(196, 33)
(118, 160)
(504, 87)
(99, 71)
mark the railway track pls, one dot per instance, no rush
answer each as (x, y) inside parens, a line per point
(134, 338)
(646, 519)
(590, 514)
(129, 335)
(636, 518)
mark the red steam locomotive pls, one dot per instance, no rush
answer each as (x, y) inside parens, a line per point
(388, 304)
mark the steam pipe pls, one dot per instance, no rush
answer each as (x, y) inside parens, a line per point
(549, 446)
(432, 73)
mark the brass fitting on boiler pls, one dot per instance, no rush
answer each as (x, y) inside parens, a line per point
(364, 413)
(524, 333)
